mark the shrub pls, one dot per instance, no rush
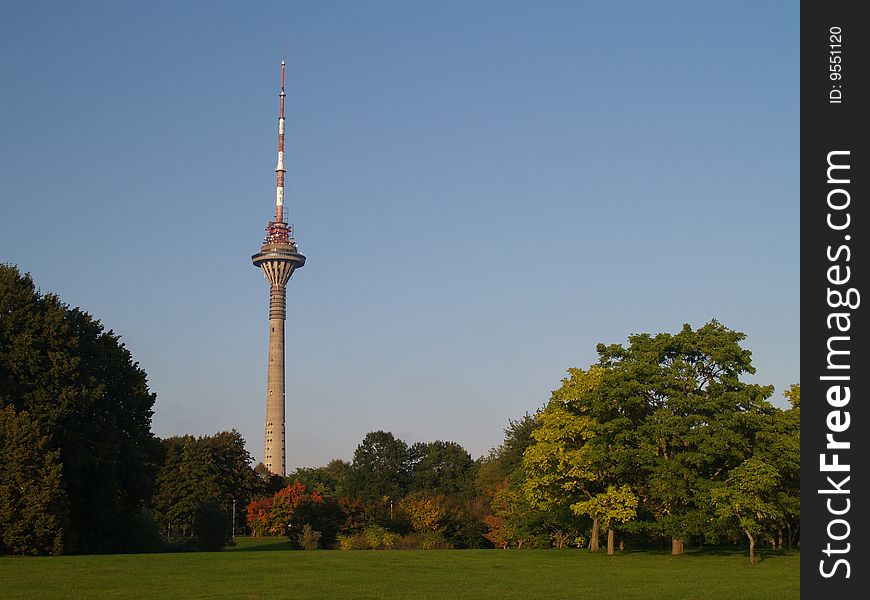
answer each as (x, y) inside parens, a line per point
(434, 541)
(143, 534)
(309, 539)
(211, 527)
(352, 541)
(379, 537)
(323, 514)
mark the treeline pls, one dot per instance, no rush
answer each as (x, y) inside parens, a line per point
(391, 495)
(659, 442)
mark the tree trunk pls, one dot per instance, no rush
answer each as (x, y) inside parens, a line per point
(790, 536)
(621, 545)
(751, 548)
(610, 537)
(779, 538)
(676, 546)
(593, 540)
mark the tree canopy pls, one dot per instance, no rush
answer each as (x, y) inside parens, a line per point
(656, 430)
(380, 467)
(88, 401)
(208, 470)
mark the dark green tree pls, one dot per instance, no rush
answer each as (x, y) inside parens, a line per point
(198, 471)
(503, 460)
(331, 480)
(211, 527)
(442, 468)
(380, 467)
(33, 505)
(321, 514)
(84, 392)
(268, 483)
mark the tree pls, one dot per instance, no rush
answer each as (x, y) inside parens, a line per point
(748, 496)
(331, 480)
(563, 467)
(380, 467)
(258, 516)
(779, 446)
(505, 459)
(291, 509)
(267, 482)
(284, 505)
(87, 396)
(675, 407)
(442, 468)
(516, 523)
(33, 505)
(211, 527)
(511, 520)
(322, 514)
(608, 508)
(206, 470)
(426, 512)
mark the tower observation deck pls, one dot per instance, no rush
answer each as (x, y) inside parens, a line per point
(278, 258)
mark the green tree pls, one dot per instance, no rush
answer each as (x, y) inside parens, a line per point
(197, 471)
(268, 483)
(675, 409)
(505, 459)
(331, 480)
(380, 467)
(211, 527)
(515, 522)
(442, 468)
(564, 466)
(749, 497)
(501, 504)
(33, 505)
(87, 396)
(322, 514)
(779, 445)
(612, 506)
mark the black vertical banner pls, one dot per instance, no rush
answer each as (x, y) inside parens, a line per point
(835, 374)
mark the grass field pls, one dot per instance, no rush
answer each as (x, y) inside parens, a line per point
(266, 569)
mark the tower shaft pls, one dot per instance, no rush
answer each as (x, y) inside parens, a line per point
(274, 454)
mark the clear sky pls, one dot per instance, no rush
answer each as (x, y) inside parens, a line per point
(484, 191)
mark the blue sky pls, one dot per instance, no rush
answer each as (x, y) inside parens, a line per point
(484, 191)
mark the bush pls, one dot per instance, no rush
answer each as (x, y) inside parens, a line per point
(143, 534)
(374, 537)
(309, 539)
(211, 527)
(435, 541)
(352, 541)
(378, 537)
(324, 515)
(422, 541)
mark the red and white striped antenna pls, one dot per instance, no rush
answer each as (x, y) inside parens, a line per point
(279, 170)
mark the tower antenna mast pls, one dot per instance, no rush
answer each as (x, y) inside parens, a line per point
(279, 169)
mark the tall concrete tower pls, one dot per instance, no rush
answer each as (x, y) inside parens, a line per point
(278, 258)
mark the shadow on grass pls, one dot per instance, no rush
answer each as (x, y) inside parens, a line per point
(692, 552)
(264, 546)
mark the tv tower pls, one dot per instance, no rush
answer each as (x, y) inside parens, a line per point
(278, 258)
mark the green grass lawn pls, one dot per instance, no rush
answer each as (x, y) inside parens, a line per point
(267, 569)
